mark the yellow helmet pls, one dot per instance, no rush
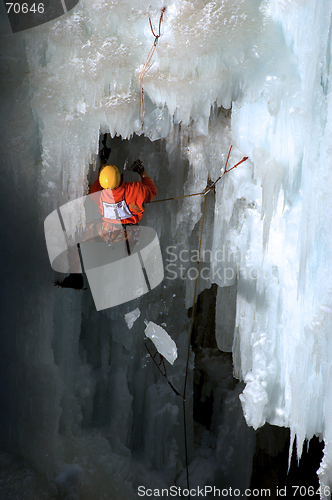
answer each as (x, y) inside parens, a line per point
(110, 177)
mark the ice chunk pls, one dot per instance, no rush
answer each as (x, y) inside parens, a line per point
(131, 317)
(163, 342)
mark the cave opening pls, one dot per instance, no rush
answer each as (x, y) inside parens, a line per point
(220, 434)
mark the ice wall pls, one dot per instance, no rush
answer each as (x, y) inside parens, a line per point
(283, 358)
(66, 81)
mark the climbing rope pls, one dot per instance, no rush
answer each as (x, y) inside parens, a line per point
(164, 371)
(209, 187)
(176, 197)
(147, 62)
(193, 309)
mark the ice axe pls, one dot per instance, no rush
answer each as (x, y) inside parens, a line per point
(125, 164)
(137, 166)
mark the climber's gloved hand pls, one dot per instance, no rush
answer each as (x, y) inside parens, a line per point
(137, 167)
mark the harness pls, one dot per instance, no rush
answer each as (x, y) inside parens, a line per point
(114, 233)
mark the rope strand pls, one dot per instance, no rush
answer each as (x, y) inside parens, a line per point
(208, 188)
(147, 62)
(193, 310)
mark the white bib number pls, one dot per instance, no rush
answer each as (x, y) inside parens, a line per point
(116, 211)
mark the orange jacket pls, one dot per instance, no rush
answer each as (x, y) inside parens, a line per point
(135, 195)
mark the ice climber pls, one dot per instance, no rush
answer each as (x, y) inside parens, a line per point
(121, 205)
(120, 201)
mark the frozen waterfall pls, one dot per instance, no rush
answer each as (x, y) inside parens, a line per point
(82, 402)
